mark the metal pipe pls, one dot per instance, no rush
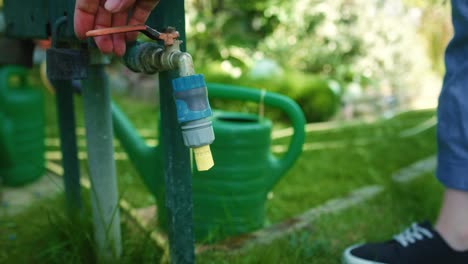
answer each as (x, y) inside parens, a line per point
(151, 58)
(68, 145)
(67, 129)
(178, 178)
(177, 165)
(143, 57)
(102, 172)
(185, 64)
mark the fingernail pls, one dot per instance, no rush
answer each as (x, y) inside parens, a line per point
(112, 5)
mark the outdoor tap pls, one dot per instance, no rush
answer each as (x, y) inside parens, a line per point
(190, 92)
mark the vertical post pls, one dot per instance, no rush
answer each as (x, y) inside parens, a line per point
(176, 157)
(99, 138)
(71, 171)
(61, 75)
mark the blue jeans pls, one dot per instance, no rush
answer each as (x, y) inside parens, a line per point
(452, 128)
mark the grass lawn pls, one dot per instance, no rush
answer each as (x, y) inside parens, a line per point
(43, 235)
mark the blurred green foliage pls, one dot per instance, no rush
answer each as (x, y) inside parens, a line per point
(436, 28)
(317, 95)
(426, 3)
(368, 44)
(227, 29)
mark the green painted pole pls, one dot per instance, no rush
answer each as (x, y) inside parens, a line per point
(66, 117)
(69, 149)
(102, 172)
(176, 157)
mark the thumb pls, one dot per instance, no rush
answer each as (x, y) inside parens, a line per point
(116, 6)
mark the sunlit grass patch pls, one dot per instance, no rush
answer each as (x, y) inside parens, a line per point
(43, 234)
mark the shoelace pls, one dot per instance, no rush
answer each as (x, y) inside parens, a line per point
(412, 234)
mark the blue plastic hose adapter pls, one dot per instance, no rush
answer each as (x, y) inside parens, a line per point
(191, 98)
(193, 110)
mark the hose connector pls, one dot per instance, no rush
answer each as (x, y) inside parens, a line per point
(193, 114)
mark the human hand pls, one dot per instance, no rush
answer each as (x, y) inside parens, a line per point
(97, 14)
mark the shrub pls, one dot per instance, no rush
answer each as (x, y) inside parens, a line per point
(373, 44)
(315, 94)
(318, 101)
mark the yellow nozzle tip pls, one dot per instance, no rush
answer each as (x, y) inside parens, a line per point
(203, 158)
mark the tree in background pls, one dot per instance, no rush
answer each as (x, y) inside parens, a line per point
(364, 46)
(435, 27)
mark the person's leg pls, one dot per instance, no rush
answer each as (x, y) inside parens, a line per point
(448, 242)
(452, 134)
(452, 223)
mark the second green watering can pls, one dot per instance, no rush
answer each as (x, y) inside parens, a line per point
(21, 128)
(230, 198)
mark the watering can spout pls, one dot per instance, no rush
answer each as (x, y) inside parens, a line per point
(146, 159)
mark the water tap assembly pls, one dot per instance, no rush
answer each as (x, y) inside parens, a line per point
(189, 90)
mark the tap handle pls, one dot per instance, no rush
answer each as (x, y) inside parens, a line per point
(168, 37)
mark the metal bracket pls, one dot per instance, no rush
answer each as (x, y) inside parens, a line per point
(66, 64)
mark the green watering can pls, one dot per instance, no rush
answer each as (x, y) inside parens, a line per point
(6, 147)
(230, 198)
(21, 128)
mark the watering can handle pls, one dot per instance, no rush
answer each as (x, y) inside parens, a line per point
(5, 74)
(287, 105)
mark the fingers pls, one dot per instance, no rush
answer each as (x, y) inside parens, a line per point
(96, 14)
(117, 6)
(104, 20)
(119, 19)
(85, 12)
(140, 13)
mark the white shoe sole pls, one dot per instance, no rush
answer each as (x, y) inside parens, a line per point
(348, 258)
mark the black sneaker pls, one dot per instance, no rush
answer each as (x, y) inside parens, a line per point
(420, 243)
